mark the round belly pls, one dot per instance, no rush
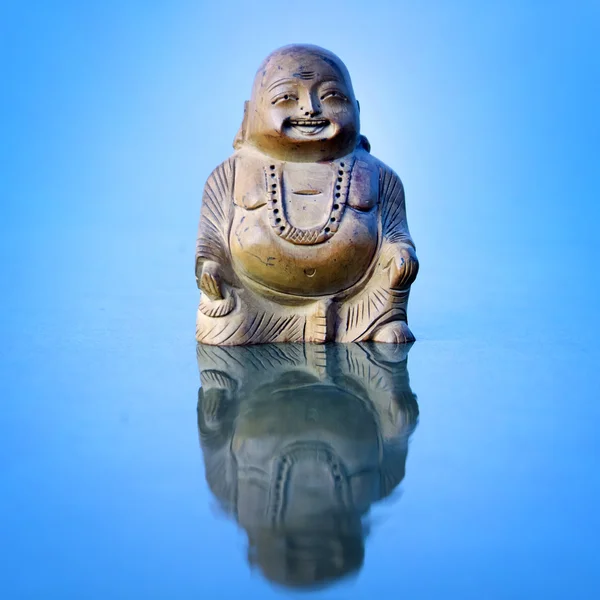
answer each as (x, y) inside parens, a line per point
(259, 254)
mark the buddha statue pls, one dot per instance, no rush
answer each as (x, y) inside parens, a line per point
(303, 234)
(299, 440)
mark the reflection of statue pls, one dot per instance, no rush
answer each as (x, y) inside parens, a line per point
(298, 442)
(303, 234)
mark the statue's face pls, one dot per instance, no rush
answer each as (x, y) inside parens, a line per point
(303, 107)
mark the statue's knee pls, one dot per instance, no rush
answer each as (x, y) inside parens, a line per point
(396, 332)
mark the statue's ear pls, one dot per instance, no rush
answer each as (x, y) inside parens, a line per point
(241, 134)
(364, 143)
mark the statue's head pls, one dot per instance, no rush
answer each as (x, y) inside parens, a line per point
(302, 106)
(309, 559)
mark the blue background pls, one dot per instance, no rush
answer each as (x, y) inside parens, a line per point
(112, 116)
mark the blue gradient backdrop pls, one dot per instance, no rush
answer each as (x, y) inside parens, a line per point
(112, 116)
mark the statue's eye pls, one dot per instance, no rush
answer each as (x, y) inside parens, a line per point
(286, 97)
(336, 94)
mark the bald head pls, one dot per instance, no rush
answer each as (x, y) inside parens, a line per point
(302, 106)
(308, 61)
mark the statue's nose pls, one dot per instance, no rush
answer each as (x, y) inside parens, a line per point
(312, 108)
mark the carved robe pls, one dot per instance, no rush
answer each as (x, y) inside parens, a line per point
(284, 282)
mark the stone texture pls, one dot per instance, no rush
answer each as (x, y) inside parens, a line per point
(303, 234)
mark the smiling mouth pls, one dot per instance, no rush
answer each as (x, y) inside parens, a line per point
(308, 126)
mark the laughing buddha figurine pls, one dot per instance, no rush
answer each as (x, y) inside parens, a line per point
(303, 234)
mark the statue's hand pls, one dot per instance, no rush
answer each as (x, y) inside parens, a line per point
(404, 267)
(210, 280)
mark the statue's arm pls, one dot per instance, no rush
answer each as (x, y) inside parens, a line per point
(212, 254)
(217, 411)
(398, 244)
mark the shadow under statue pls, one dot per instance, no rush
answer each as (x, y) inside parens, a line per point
(298, 442)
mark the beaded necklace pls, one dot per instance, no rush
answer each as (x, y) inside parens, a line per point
(314, 235)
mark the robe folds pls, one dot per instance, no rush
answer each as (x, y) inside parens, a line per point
(248, 314)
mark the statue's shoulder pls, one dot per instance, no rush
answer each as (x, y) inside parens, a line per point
(224, 170)
(376, 165)
(390, 184)
(365, 162)
(220, 182)
(387, 179)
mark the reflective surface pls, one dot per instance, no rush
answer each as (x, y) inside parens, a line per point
(299, 441)
(104, 487)
(111, 122)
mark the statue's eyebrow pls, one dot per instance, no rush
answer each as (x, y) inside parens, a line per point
(279, 82)
(331, 80)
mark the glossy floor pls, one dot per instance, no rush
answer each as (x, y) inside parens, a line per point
(468, 470)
